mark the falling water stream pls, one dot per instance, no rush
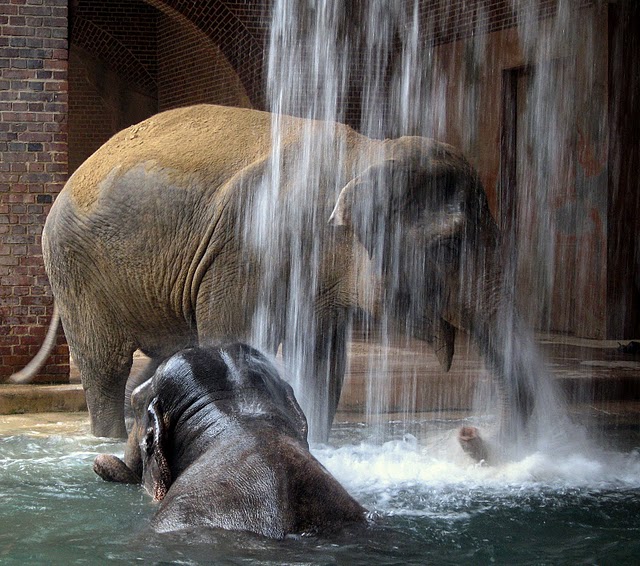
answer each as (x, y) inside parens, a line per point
(563, 499)
(381, 67)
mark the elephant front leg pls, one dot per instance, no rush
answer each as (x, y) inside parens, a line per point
(321, 377)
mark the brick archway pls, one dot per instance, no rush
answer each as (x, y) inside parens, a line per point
(132, 58)
(238, 28)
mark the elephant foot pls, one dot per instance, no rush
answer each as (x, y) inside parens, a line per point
(114, 429)
(473, 444)
(111, 468)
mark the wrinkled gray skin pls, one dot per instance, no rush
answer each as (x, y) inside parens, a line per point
(146, 248)
(220, 441)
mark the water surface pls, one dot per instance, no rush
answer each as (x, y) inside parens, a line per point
(431, 504)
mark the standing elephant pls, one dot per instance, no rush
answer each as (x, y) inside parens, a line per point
(150, 246)
(220, 441)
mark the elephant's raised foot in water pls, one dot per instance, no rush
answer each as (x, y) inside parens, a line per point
(474, 445)
(220, 441)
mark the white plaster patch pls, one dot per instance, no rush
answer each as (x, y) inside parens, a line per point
(253, 407)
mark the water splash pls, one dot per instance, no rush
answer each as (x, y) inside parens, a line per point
(413, 476)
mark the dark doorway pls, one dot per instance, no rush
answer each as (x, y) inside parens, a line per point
(538, 195)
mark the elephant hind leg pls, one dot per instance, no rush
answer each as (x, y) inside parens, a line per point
(104, 366)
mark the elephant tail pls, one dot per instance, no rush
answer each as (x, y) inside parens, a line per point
(27, 374)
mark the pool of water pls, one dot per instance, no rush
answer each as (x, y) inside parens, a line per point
(431, 504)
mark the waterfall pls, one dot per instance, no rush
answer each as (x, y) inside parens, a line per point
(393, 68)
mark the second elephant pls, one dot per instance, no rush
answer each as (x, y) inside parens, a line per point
(220, 441)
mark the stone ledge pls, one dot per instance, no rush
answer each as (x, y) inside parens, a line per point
(436, 392)
(18, 399)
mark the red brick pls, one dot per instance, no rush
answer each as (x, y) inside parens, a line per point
(32, 99)
(9, 341)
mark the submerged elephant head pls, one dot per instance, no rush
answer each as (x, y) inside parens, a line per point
(194, 395)
(197, 395)
(220, 441)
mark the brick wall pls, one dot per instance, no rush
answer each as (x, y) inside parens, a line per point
(238, 28)
(193, 70)
(33, 168)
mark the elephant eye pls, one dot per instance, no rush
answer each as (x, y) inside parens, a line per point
(147, 442)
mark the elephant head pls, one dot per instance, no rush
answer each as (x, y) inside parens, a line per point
(423, 217)
(192, 383)
(221, 442)
(194, 396)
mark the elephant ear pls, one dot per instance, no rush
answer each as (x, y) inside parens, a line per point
(369, 201)
(397, 193)
(141, 396)
(156, 467)
(302, 426)
(418, 193)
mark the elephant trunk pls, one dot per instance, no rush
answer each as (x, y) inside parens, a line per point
(511, 355)
(487, 311)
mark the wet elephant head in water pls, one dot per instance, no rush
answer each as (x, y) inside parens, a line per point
(220, 441)
(153, 245)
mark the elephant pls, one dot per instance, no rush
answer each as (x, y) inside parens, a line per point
(220, 441)
(152, 245)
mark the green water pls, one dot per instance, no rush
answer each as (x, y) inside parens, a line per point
(432, 505)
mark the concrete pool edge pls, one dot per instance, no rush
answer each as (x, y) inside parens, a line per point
(587, 372)
(20, 399)
(457, 394)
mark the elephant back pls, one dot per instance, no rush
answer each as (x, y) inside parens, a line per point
(212, 142)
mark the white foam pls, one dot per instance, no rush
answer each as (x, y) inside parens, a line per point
(408, 477)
